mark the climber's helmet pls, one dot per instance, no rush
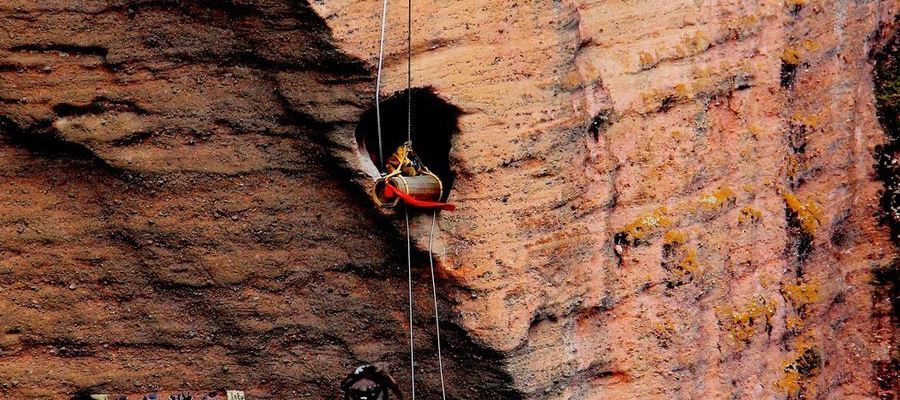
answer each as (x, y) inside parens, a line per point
(369, 382)
(366, 389)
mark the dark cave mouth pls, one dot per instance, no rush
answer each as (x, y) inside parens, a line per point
(434, 123)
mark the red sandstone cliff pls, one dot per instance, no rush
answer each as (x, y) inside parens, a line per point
(657, 199)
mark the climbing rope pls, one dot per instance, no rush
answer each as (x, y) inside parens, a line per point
(378, 82)
(381, 161)
(401, 160)
(412, 348)
(437, 319)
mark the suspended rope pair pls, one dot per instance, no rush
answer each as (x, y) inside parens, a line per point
(408, 180)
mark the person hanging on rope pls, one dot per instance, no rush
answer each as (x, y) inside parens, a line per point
(369, 382)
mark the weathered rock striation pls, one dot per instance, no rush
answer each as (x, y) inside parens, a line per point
(657, 199)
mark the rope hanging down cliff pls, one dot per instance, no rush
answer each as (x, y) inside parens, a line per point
(403, 166)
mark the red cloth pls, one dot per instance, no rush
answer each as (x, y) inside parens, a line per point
(390, 192)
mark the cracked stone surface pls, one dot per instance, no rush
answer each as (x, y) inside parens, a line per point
(657, 199)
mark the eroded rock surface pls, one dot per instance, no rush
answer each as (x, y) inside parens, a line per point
(662, 199)
(658, 199)
(173, 217)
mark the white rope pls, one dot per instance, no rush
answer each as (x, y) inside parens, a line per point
(412, 349)
(409, 71)
(437, 319)
(378, 84)
(437, 322)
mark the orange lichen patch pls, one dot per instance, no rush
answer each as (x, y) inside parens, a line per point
(741, 322)
(801, 294)
(791, 55)
(755, 131)
(646, 225)
(687, 265)
(811, 121)
(664, 97)
(674, 238)
(810, 214)
(681, 90)
(748, 20)
(791, 166)
(794, 322)
(749, 215)
(794, 3)
(702, 72)
(696, 43)
(741, 26)
(679, 260)
(717, 199)
(810, 45)
(663, 332)
(571, 81)
(646, 60)
(799, 371)
(652, 98)
(766, 280)
(691, 44)
(789, 383)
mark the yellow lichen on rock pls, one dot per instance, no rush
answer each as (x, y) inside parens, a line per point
(791, 166)
(749, 215)
(809, 215)
(794, 322)
(810, 120)
(801, 294)
(791, 55)
(810, 45)
(681, 90)
(755, 131)
(789, 383)
(741, 322)
(688, 264)
(799, 370)
(717, 199)
(674, 238)
(696, 43)
(646, 60)
(664, 332)
(646, 224)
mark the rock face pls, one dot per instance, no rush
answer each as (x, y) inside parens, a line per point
(173, 217)
(657, 199)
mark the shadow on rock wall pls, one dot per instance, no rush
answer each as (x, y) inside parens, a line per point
(168, 222)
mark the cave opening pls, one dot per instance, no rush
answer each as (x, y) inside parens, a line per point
(434, 123)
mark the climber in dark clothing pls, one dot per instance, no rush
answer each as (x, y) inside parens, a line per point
(369, 382)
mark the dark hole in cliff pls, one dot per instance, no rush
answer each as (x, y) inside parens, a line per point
(808, 363)
(799, 241)
(797, 136)
(599, 123)
(788, 73)
(666, 104)
(887, 280)
(887, 101)
(434, 123)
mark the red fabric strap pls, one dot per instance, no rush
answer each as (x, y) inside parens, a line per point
(390, 191)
